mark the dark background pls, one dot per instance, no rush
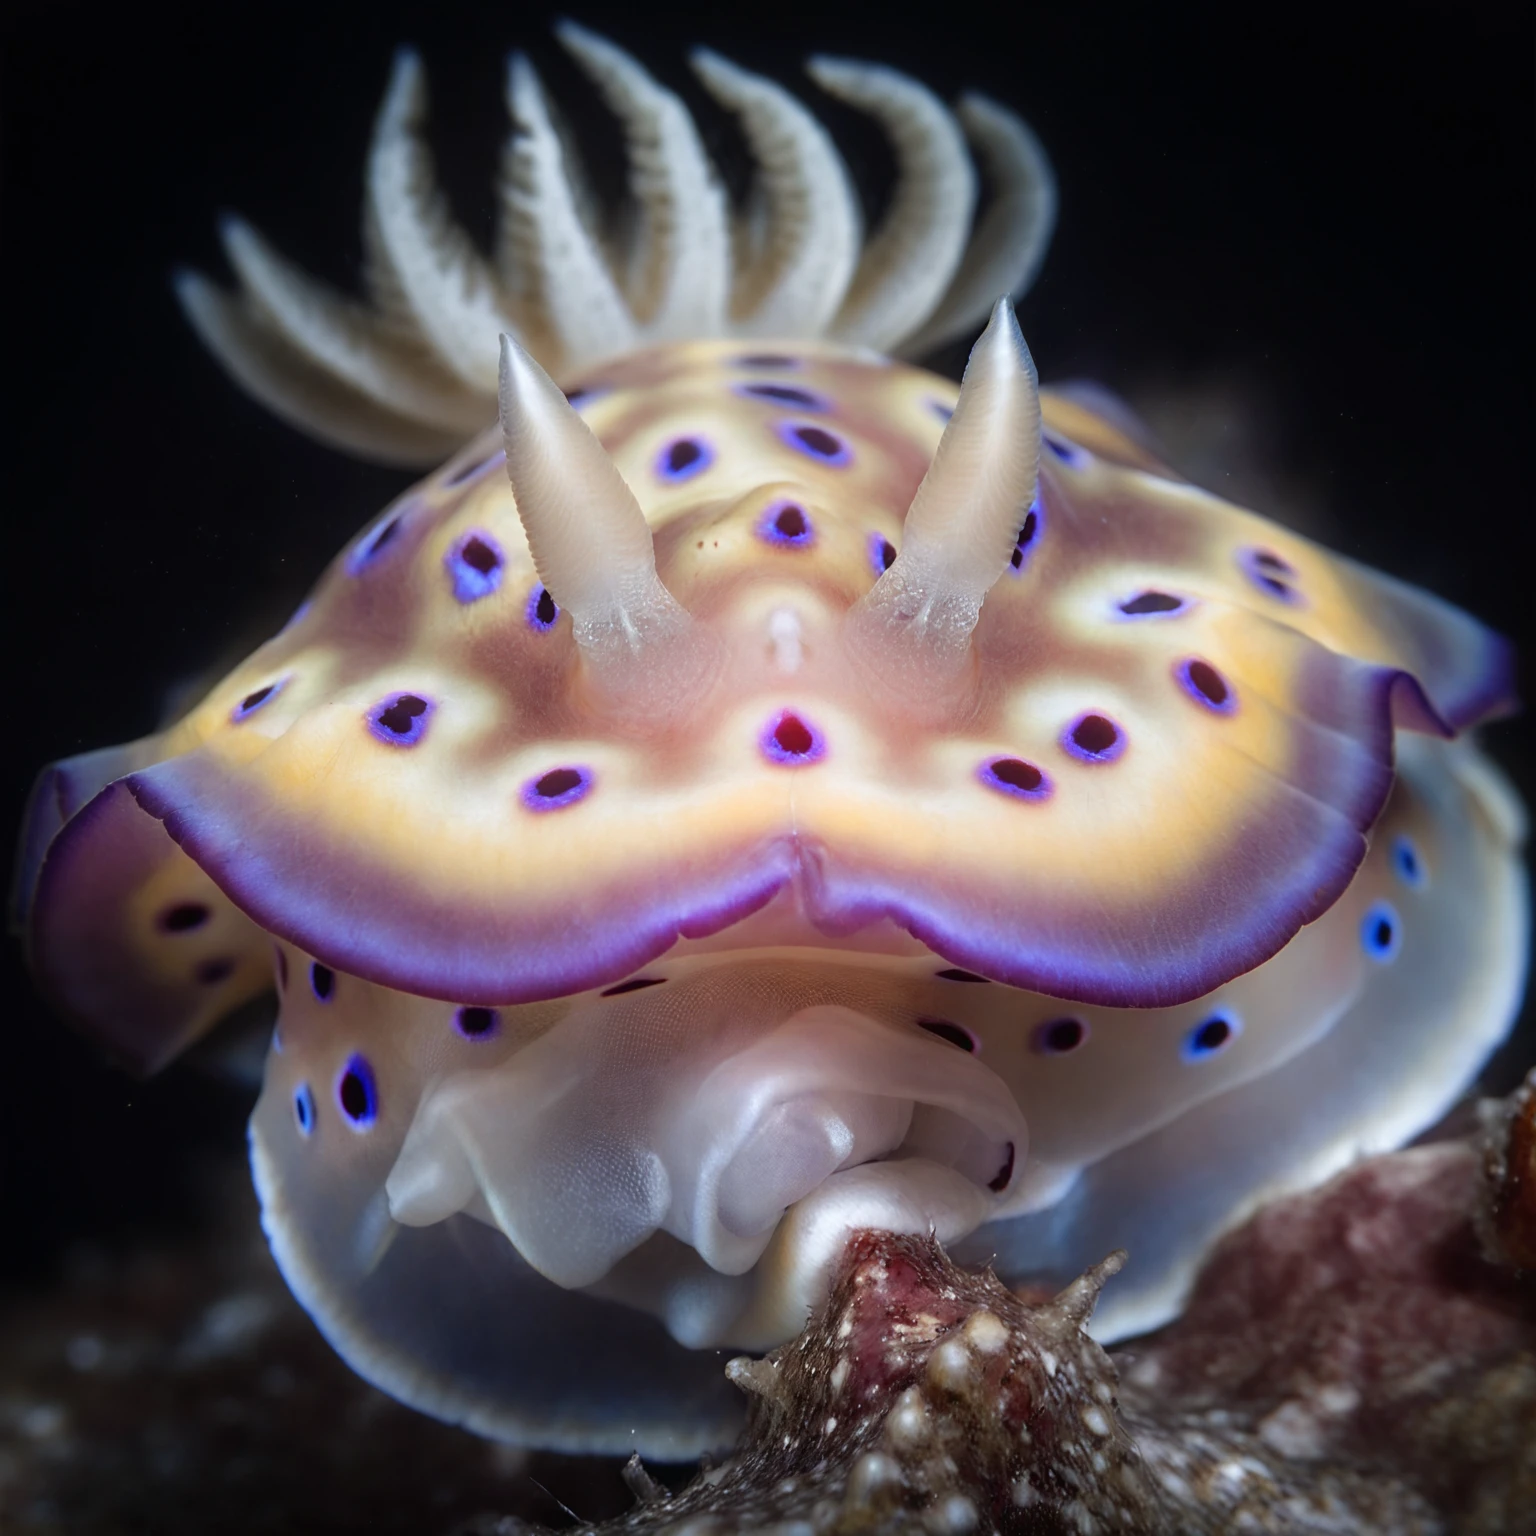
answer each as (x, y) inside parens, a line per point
(1301, 244)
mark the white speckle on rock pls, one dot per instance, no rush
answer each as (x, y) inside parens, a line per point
(950, 1365)
(1338, 1397)
(1293, 1430)
(908, 1422)
(1096, 1420)
(873, 1472)
(952, 1516)
(1050, 1362)
(985, 1332)
(839, 1375)
(85, 1352)
(1023, 1492)
(41, 1421)
(229, 1327)
(1174, 1484)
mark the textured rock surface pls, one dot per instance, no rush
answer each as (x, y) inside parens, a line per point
(1507, 1213)
(1362, 1358)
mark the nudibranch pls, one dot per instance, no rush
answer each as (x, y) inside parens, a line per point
(757, 789)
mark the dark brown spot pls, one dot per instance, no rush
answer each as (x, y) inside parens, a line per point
(1152, 602)
(819, 441)
(475, 1022)
(184, 916)
(791, 523)
(636, 984)
(1017, 774)
(954, 974)
(1094, 734)
(402, 713)
(354, 1096)
(1061, 1035)
(557, 782)
(545, 608)
(953, 1033)
(999, 1181)
(681, 454)
(788, 394)
(1207, 682)
(479, 555)
(210, 972)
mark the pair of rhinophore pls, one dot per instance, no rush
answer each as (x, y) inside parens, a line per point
(594, 552)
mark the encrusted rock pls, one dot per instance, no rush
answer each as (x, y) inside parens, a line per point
(1507, 1215)
(926, 1398)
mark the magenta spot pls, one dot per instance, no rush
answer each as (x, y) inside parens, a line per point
(1094, 739)
(789, 740)
(940, 409)
(1058, 1036)
(785, 523)
(815, 442)
(1013, 776)
(558, 787)
(322, 981)
(1205, 685)
(400, 719)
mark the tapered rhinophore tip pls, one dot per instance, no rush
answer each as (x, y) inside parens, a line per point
(590, 542)
(963, 524)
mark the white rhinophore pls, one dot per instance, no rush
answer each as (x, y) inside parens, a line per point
(589, 539)
(961, 528)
